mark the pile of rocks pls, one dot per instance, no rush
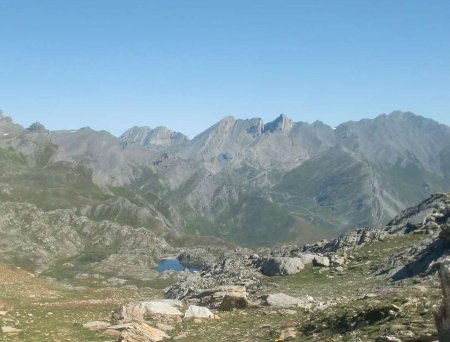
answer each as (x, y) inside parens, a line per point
(154, 320)
(130, 322)
(239, 271)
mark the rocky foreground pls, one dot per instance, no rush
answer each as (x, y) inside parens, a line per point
(373, 284)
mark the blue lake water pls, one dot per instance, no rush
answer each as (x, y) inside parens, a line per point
(175, 265)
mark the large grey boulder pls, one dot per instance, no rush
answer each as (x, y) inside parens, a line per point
(282, 266)
(281, 300)
(442, 315)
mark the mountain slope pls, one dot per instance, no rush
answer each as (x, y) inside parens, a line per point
(241, 180)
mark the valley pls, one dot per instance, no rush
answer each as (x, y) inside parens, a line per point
(350, 297)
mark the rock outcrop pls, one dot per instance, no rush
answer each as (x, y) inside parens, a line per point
(238, 270)
(442, 316)
(430, 218)
(40, 238)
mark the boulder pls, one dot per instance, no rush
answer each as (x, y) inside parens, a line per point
(281, 300)
(340, 269)
(195, 311)
(282, 266)
(128, 313)
(159, 308)
(442, 315)
(230, 302)
(337, 260)
(141, 332)
(306, 258)
(321, 261)
(215, 297)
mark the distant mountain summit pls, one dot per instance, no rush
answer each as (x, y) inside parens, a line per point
(251, 182)
(145, 136)
(281, 123)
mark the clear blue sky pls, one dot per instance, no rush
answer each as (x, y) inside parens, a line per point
(185, 64)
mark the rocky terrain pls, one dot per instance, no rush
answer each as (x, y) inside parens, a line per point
(62, 241)
(374, 284)
(86, 217)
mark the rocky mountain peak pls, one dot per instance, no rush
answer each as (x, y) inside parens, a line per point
(256, 127)
(37, 127)
(279, 124)
(145, 136)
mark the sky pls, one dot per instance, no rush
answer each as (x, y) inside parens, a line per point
(185, 64)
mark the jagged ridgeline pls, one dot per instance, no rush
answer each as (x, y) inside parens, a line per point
(245, 181)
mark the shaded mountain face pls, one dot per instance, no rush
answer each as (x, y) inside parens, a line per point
(247, 181)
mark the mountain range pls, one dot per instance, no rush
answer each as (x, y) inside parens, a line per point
(246, 181)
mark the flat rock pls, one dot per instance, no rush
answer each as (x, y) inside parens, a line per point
(112, 332)
(281, 300)
(159, 308)
(174, 302)
(96, 325)
(141, 332)
(120, 327)
(164, 327)
(10, 330)
(289, 312)
(195, 311)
